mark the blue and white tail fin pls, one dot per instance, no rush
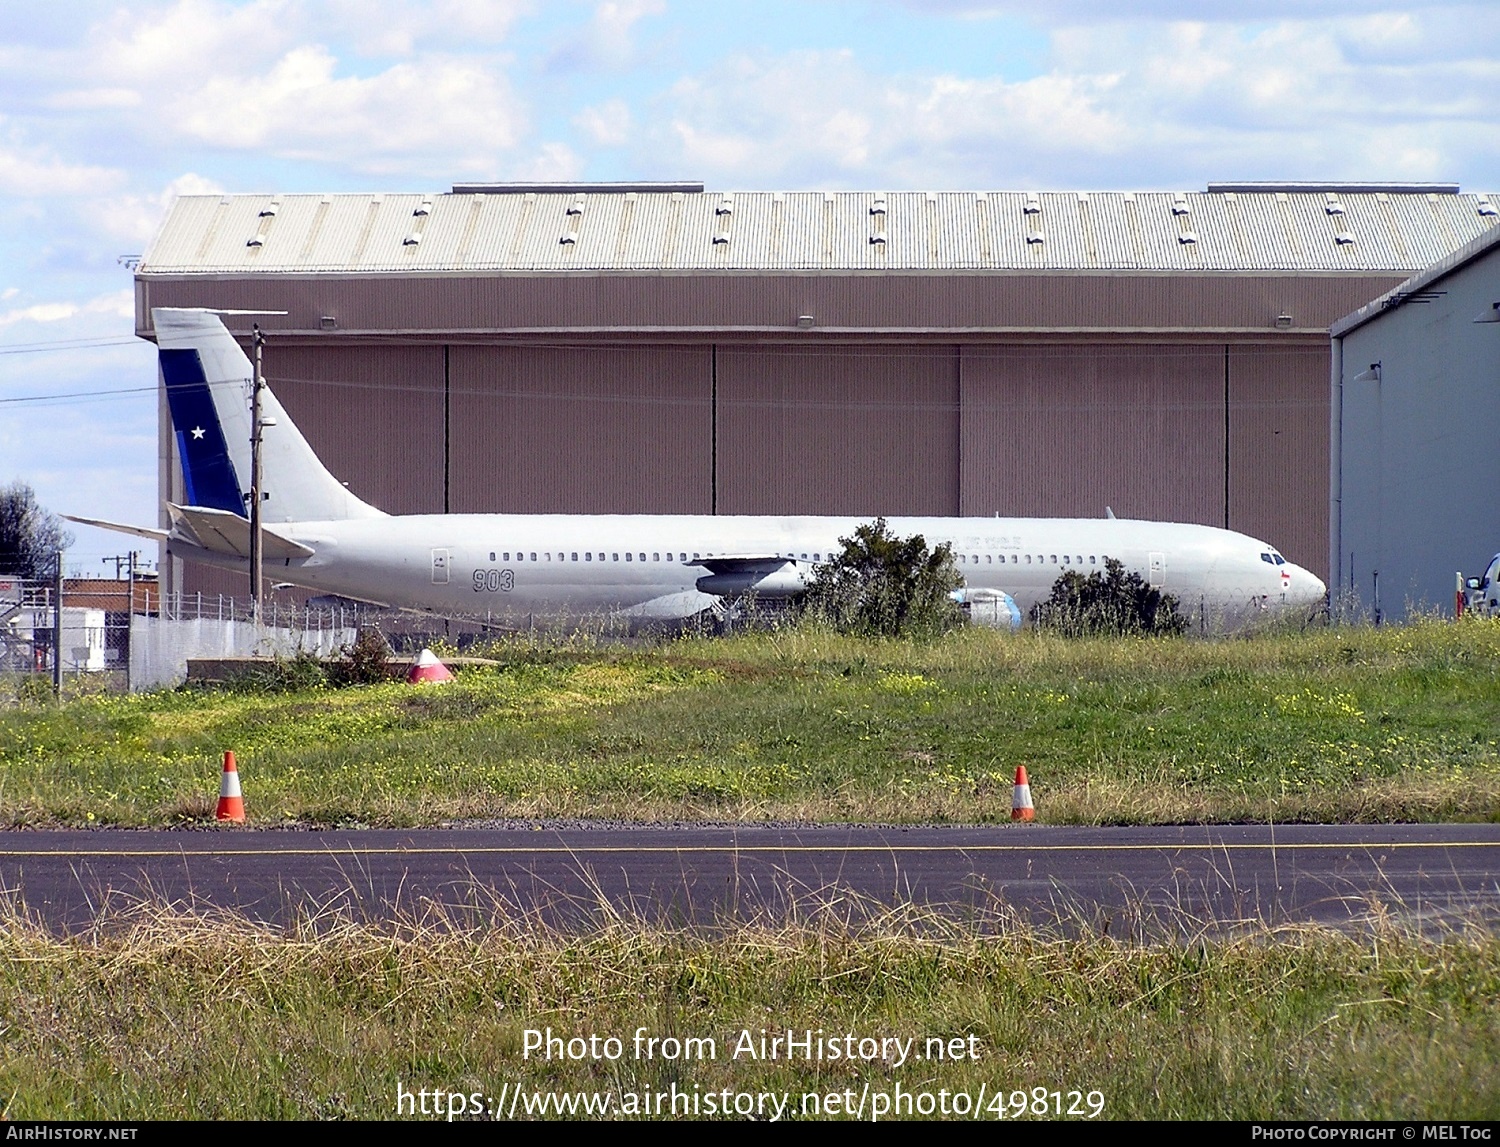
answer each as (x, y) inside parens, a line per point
(208, 381)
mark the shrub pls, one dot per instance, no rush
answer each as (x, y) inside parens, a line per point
(1113, 603)
(882, 585)
(366, 662)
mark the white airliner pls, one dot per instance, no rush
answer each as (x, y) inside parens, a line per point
(648, 567)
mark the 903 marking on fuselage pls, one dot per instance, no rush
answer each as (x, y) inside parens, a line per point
(494, 581)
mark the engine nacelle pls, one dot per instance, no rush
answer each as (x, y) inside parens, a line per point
(992, 608)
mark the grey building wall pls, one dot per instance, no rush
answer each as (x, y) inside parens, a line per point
(1415, 451)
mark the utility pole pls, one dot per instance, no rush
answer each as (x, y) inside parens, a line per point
(129, 615)
(57, 628)
(256, 580)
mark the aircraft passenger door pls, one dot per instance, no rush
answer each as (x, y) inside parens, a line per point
(1158, 570)
(441, 560)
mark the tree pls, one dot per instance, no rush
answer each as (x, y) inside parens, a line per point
(882, 585)
(31, 538)
(1113, 603)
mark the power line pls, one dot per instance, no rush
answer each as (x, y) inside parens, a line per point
(43, 399)
(68, 344)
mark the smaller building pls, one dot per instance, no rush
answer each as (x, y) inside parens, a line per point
(1415, 437)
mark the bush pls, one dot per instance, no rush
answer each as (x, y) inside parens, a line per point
(882, 585)
(366, 662)
(1113, 603)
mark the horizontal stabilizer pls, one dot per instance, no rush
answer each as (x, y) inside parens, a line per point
(120, 528)
(221, 532)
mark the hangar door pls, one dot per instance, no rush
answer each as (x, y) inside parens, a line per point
(580, 430)
(858, 430)
(1064, 431)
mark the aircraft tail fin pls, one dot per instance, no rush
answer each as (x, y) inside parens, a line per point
(208, 380)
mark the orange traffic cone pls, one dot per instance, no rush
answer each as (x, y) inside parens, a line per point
(1020, 800)
(428, 668)
(231, 806)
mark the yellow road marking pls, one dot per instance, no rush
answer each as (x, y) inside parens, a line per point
(565, 850)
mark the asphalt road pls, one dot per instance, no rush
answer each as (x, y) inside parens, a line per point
(1127, 879)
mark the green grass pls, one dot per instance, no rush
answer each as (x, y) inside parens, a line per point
(1337, 724)
(162, 1016)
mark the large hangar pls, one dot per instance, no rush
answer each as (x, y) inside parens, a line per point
(1415, 422)
(660, 348)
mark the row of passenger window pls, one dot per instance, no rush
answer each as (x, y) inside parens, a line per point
(505, 556)
(656, 556)
(1024, 559)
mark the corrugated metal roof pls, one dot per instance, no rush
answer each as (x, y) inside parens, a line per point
(592, 230)
(1398, 295)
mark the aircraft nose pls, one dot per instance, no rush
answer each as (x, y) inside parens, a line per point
(1307, 586)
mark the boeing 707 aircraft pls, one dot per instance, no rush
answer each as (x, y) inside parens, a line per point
(633, 566)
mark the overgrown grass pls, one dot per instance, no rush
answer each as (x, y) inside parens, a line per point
(1339, 724)
(163, 1016)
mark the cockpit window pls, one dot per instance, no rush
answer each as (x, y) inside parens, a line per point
(1267, 559)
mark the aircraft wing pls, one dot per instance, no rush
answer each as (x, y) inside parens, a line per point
(120, 528)
(741, 563)
(221, 532)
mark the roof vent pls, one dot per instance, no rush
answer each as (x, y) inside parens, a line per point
(270, 209)
(726, 206)
(1332, 205)
(878, 237)
(1343, 238)
(1283, 322)
(1187, 237)
(425, 207)
(254, 241)
(804, 322)
(412, 239)
(568, 238)
(721, 237)
(1037, 236)
(1488, 208)
(576, 207)
(878, 206)
(1033, 204)
(1180, 204)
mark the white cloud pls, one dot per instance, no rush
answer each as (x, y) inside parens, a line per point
(301, 109)
(1120, 105)
(115, 304)
(94, 99)
(1055, 12)
(608, 41)
(133, 219)
(39, 313)
(403, 27)
(34, 172)
(552, 162)
(608, 124)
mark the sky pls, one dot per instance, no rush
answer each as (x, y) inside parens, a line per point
(109, 110)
